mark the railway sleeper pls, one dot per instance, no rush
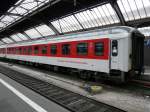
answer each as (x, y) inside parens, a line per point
(75, 102)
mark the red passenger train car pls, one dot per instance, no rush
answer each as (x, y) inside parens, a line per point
(111, 53)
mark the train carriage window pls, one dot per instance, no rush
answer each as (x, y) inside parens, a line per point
(36, 50)
(1, 51)
(114, 48)
(66, 49)
(24, 51)
(7, 50)
(20, 50)
(4, 50)
(17, 50)
(53, 49)
(82, 48)
(29, 50)
(11, 50)
(44, 50)
(99, 48)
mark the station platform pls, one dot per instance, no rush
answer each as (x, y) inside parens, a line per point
(17, 98)
(147, 70)
(146, 75)
(131, 100)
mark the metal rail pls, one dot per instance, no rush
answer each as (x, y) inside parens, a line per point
(69, 100)
(143, 83)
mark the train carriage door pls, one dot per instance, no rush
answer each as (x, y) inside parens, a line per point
(137, 52)
(116, 54)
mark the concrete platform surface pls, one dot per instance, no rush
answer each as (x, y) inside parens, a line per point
(146, 75)
(129, 101)
(17, 98)
(147, 70)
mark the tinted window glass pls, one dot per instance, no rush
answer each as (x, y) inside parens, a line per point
(24, 51)
(17, 50)
(44, 50)
(53, 49)
(12, 50)
(82, 49)
(7, 50)
(66, 49)
(20, 50)
(29, 50)
(99, 48)
(4, 50)
(36, 50)
(114, 48)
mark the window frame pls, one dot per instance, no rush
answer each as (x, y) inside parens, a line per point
(87, 49)
(63, 48)
(36, 51)
(114, 52)
(20, 50)
(56, 49)
(103, 45)
(43, 49)
(17, 50)
(24, 50)
(29, 50)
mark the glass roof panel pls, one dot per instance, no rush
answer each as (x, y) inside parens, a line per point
(134, 9)
(20, 10)
(29, 6)
(4, 40)
(15, 37)
(14, 17)
(45, 30)
(32, 33)
(28, 1)
(67, 24)
(23, 37)
(7, 40)
(7, 19)
(99, 16)
(145, 31)
(1, 25)
(22, 7)
(1, 43)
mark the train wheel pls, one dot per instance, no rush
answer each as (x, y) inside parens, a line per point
(86, 75)
(123, 77)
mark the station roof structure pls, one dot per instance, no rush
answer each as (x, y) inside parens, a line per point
(23, 20)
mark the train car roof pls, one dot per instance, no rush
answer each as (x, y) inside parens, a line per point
(121, 31)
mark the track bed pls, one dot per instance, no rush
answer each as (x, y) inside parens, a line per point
(68, 99)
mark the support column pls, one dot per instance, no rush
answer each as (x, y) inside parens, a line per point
(52, 27)
(115, 6)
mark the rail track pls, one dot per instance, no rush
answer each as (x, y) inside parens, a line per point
(68, 99)
(142, 83)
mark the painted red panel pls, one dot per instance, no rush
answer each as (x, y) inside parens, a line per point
(73, 53)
